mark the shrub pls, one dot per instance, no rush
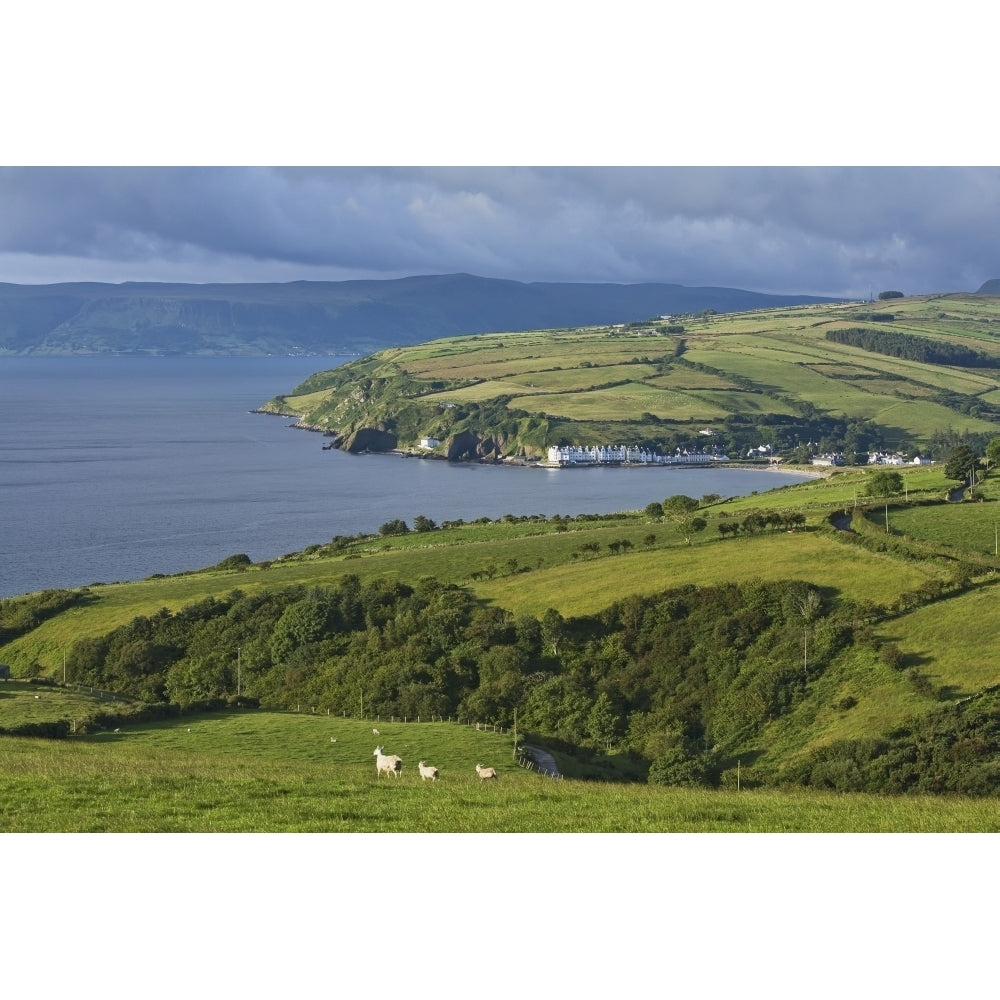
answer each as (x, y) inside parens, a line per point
(393, 527)
(675, 767)
(239, 561)
(891, 655)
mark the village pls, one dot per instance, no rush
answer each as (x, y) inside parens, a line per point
(626, 455)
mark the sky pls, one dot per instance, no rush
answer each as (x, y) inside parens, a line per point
(749, 146)
(839, 231)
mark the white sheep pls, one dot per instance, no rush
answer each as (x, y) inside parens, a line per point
(486, 772)
(374, 732)
(387, 764)
(426, 771)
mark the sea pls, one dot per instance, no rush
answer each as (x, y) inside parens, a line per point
(117, 468)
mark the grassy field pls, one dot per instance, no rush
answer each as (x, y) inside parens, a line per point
(244, 772)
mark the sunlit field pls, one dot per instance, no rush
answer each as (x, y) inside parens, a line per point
(279, 772)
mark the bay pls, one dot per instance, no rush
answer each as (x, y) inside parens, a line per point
(116, 468)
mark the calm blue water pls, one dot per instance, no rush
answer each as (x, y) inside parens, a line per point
(117, 468)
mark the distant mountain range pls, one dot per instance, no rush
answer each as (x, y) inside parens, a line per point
(328, 317)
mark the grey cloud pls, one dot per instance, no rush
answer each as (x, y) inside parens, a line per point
(821, 230)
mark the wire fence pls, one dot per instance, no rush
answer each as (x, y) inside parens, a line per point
(521, 758)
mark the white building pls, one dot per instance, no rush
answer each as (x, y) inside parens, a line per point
(618, 454)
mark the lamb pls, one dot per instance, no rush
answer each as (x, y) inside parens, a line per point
(387, 764)
(486, 772)
(426, 771)
(374, 732)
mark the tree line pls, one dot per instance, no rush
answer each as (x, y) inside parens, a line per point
(911, 347)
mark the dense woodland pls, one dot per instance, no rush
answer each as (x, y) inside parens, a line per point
(911, 347)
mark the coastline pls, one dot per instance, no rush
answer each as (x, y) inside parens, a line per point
(809, 471)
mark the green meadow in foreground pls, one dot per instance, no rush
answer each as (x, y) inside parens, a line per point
(246, 772)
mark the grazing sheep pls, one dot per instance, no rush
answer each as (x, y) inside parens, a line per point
(426, 771)
(374, 732)
(333, 739)
(486, 772)
(387, 764)
(117, 730)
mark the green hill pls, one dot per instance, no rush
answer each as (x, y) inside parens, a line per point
(814, 378)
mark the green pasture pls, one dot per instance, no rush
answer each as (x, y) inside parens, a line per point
(307, 401)
(609, 404)
(24, 703)
(840, 488)
(679, 378)
(883, 698)
(953, 642)
(586, 586)
(602, 353)
(964, 526)
(247, 772)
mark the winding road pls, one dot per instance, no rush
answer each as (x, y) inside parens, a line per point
(544, 760)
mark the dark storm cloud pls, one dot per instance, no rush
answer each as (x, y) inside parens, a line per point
(836, 230)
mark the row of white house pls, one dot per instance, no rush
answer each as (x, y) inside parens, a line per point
(894, 458)
(619, 454)
(874, 458)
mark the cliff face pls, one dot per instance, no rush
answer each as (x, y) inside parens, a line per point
(469, 446)
(369, 439)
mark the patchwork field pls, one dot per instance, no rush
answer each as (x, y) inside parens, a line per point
(639, 380)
